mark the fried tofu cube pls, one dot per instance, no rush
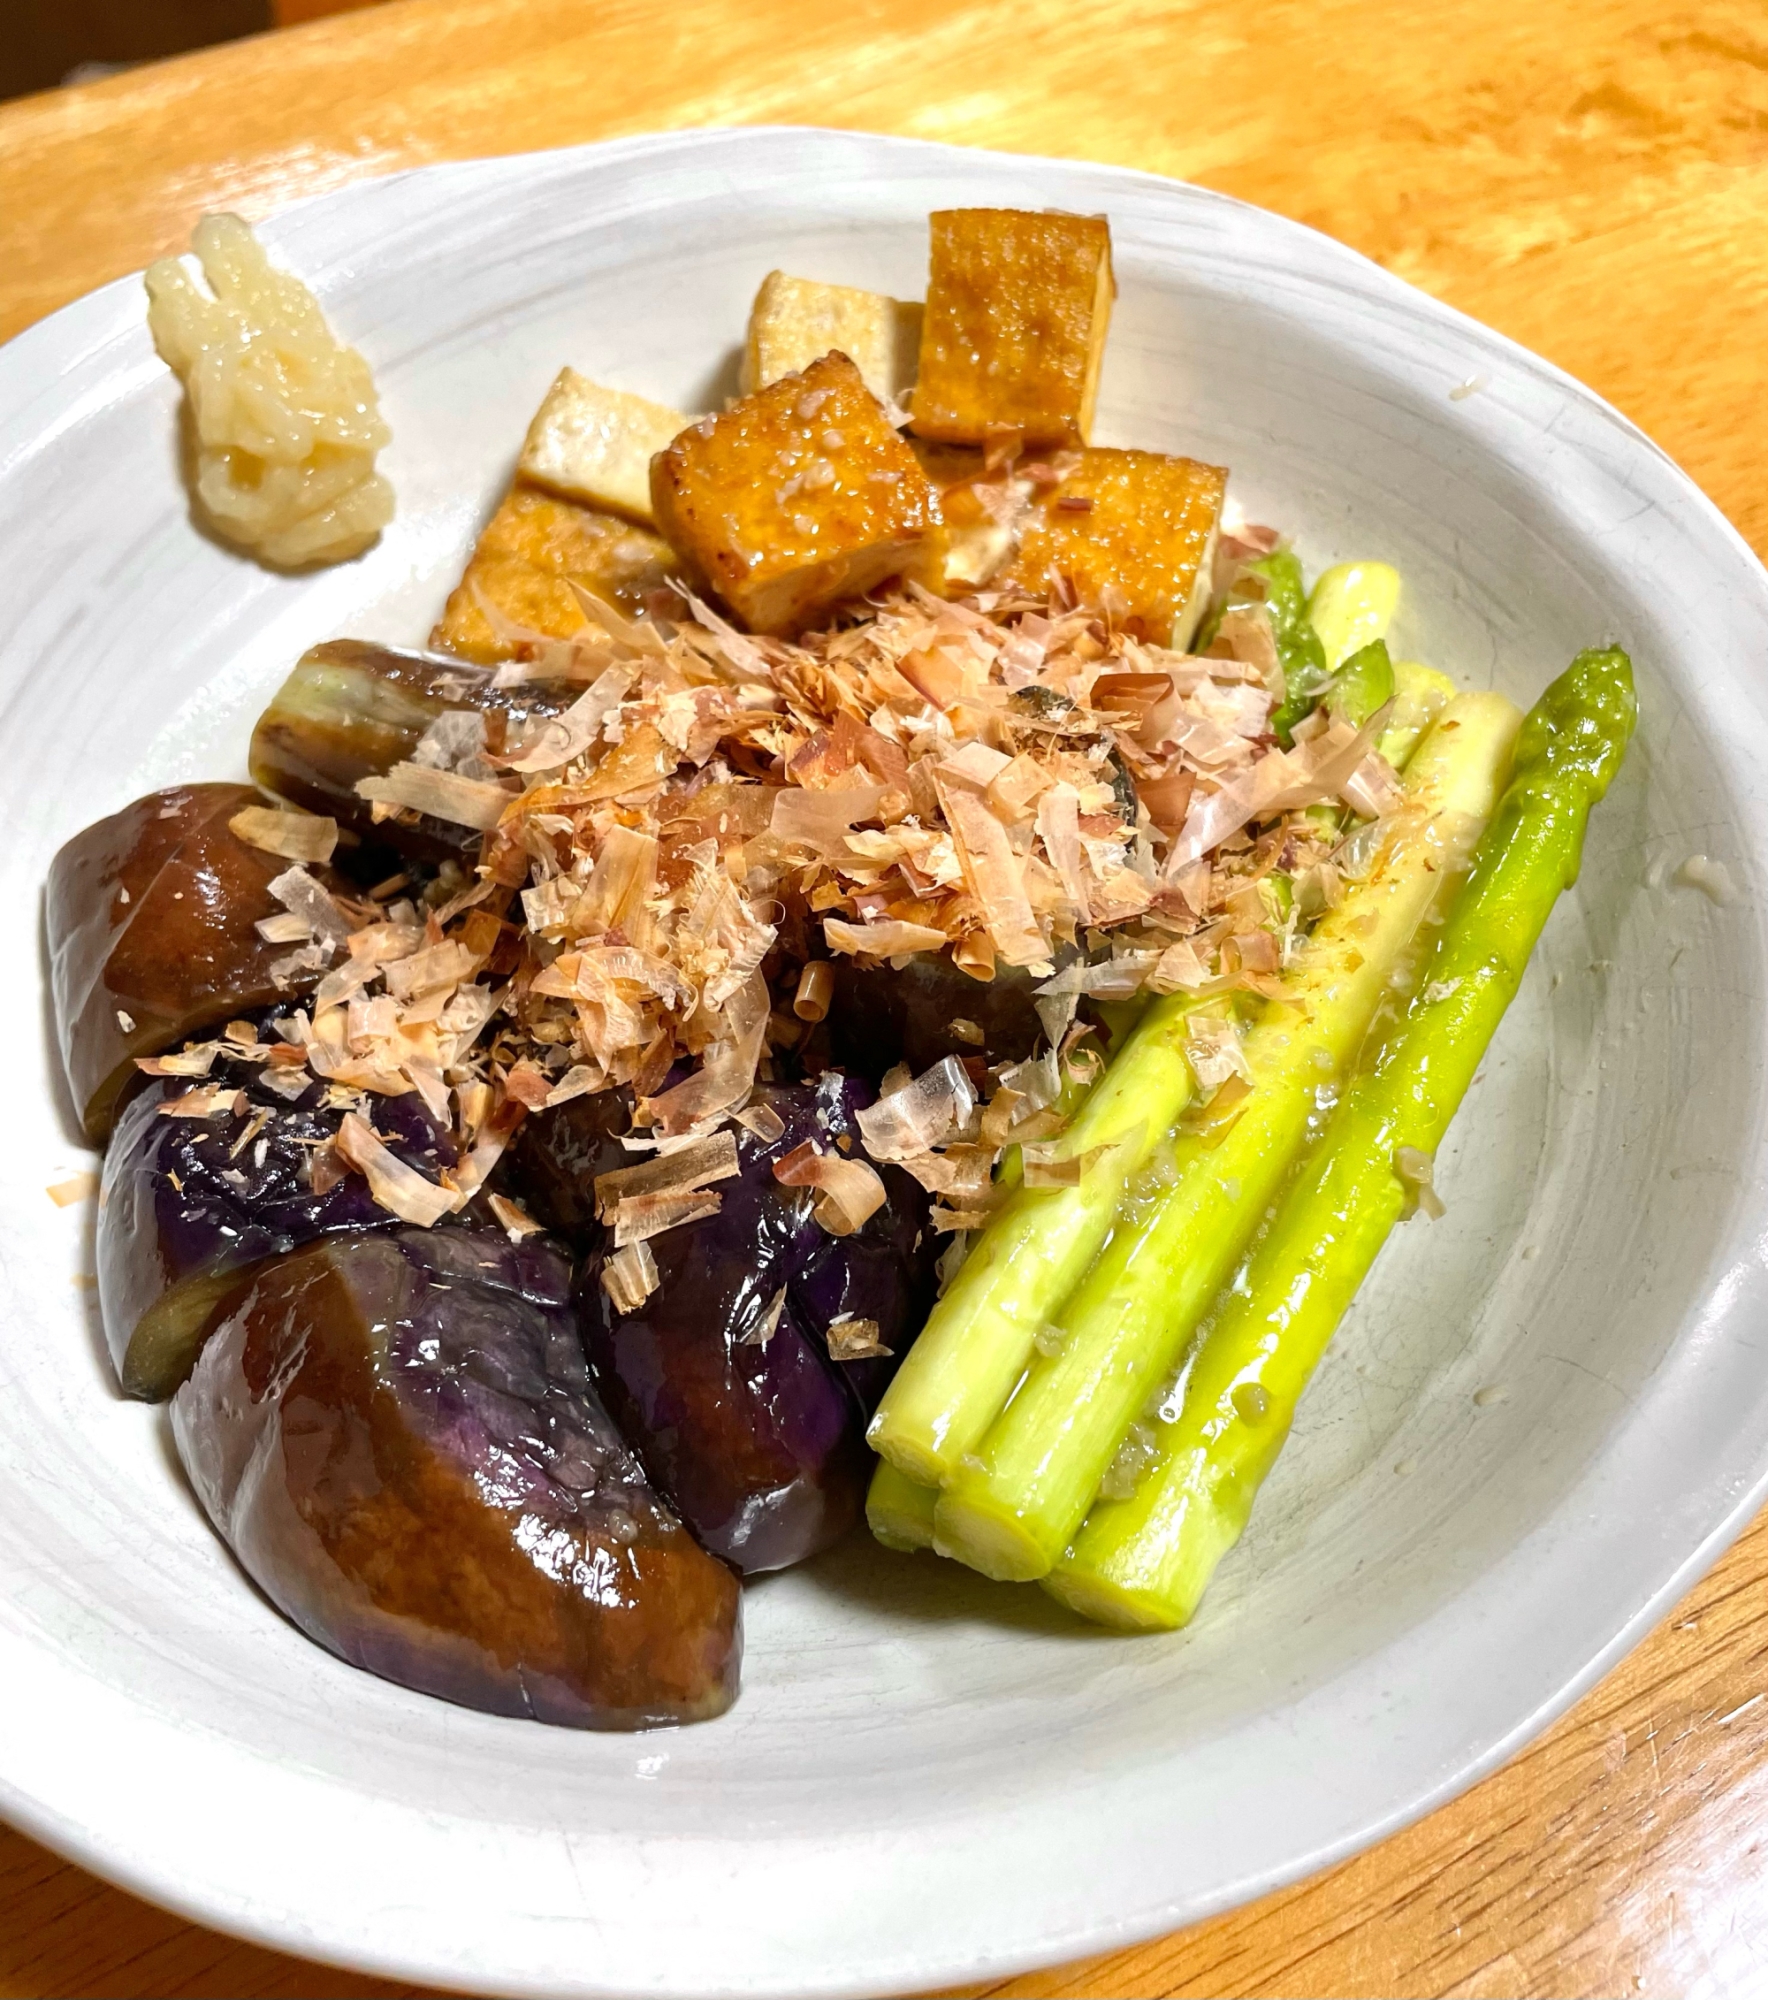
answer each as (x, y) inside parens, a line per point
(1017, 309)
(796, 497)
(795, 320)
(533, 549)
(595, 445)
(1134, 523)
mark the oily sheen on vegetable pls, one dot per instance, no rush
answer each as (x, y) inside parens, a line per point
(351, 711)
(153, 918)
(744, 1378)
(1144, 1560)
(397, 1436)
(1012, 1509)
(192, 1205)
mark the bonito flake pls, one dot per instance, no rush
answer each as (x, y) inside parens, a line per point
(1011, 779)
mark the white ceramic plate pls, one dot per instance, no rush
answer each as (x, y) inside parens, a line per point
(926, 1779)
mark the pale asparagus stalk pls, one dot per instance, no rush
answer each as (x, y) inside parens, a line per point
(975, 1345)
(899, 1511)
(1010, 1506)
(1144, 1560)
(1351, 605)
(1420, 696)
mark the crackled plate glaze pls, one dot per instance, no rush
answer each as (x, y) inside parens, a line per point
(1546, 1415)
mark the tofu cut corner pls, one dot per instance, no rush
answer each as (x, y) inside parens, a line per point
(795, 321)
(595, 445)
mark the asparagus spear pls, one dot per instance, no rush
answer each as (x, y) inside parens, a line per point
(1299, 651)
(1009, 1507)
(974, 1347)
(1364, 684)
(899, 1511)
(1327, 644)
(1420, 696)
(1144, 1561)
(1352, 604)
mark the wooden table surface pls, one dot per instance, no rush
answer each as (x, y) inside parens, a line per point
(1591, 176)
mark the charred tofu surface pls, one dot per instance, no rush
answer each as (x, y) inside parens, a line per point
(1134, 524)
(533, 549)
(595, 445)
(797, 497)
(1018, 305)
(795, 321)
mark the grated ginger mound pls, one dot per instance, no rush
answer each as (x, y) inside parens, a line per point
(285, 418)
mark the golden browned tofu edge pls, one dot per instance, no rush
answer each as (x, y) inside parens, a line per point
(1046, 387)
(528, 554)
(1150, 532)
(797, 496)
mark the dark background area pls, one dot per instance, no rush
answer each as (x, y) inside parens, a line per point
(43, 40)
(44, 43)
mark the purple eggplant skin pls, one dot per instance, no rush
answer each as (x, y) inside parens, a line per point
(882, 1015)
(396, 1434)
(352, 709)
(883, 1272)
(759, 1447)
(152, 920)
(189, 1211)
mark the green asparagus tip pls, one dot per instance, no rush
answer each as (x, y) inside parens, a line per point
(1364, 684)
(1576, 735)
(1299, 650)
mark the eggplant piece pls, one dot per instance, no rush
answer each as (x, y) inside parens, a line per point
(193, 1206)
(884, 1273)
(757, 1443)
(882, 1015)
(152, 939)
(397, 1436)
(352, 710)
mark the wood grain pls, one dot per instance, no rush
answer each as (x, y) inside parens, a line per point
(1591, 176)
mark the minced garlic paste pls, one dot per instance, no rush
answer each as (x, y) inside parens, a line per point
(285, 419)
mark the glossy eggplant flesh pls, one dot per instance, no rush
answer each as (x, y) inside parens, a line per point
(192, 1206)
(152, 919)
(722, 1378)
(883, 1273)
(928, 1009)
(352, 710)
(397, 1435)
